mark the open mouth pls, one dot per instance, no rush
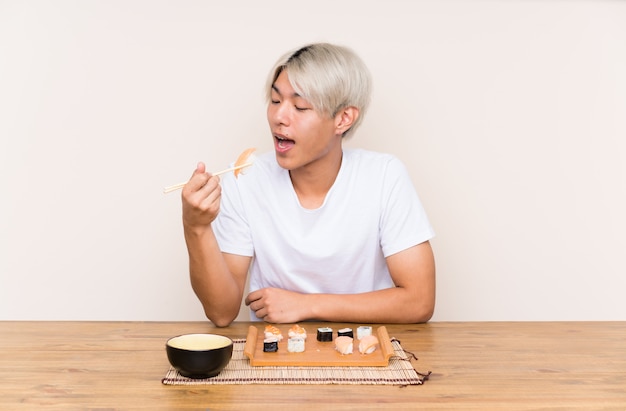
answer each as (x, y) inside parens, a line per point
(283, 144)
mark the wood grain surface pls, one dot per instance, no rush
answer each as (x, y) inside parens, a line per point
(475, 366)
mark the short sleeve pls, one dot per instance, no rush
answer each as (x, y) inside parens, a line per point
(403, 221)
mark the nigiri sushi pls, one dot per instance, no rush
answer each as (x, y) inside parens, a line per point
(243, 159)
(272, 331)
(297, 331)
(344, 344)
(368, 344)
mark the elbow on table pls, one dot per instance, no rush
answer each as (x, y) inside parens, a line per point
(220, 321)
(422, 313)
(425, 317)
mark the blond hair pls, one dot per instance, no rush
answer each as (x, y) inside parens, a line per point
(328, 76)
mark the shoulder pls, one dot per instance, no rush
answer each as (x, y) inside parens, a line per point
(368, 156)
(373, 163)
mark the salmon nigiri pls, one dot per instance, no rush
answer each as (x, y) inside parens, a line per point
(368, 344)
(242, 160)
(343, 344)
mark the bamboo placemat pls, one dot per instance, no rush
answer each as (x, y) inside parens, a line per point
(400, 371)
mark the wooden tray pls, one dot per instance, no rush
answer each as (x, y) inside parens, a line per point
(316, 353)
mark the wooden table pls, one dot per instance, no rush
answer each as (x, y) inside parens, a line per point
(475, 365)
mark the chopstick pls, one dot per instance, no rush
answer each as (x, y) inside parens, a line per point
(181, 185)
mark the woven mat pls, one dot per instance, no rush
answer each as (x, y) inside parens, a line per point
(238, 371)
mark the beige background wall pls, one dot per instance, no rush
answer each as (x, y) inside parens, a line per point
(509, 114)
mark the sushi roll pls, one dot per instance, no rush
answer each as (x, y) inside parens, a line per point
(325, 334)
(344, 345)
(297, 331)
(363, 331)
(270, 344)
(295, 344)
(347, 332)
(272, 331)
(368, 344)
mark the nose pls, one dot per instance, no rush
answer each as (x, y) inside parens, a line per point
(277, 113)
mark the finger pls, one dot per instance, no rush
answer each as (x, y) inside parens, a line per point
(200, 168)
(203, 188)
(261, 313)
(252, 297)
(196, 182)
(210, 194)
(211, 184)
(204, 200)
(255, 306)
(199, 178)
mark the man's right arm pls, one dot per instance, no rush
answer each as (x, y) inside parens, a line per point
(218, 279)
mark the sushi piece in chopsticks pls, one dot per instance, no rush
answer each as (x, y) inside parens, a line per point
(243, 158)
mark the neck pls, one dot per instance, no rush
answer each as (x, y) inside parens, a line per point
(312, 183)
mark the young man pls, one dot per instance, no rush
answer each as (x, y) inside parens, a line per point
(325, 233)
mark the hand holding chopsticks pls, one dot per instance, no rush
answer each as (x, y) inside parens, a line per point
(241, 163)
(181, 185)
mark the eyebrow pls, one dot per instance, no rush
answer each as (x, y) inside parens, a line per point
(278, 91)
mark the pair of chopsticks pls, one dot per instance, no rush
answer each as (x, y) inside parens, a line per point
(181, 185)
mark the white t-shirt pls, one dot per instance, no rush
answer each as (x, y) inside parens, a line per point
(371, 212)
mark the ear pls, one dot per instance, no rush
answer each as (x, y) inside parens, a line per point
(345, 118)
